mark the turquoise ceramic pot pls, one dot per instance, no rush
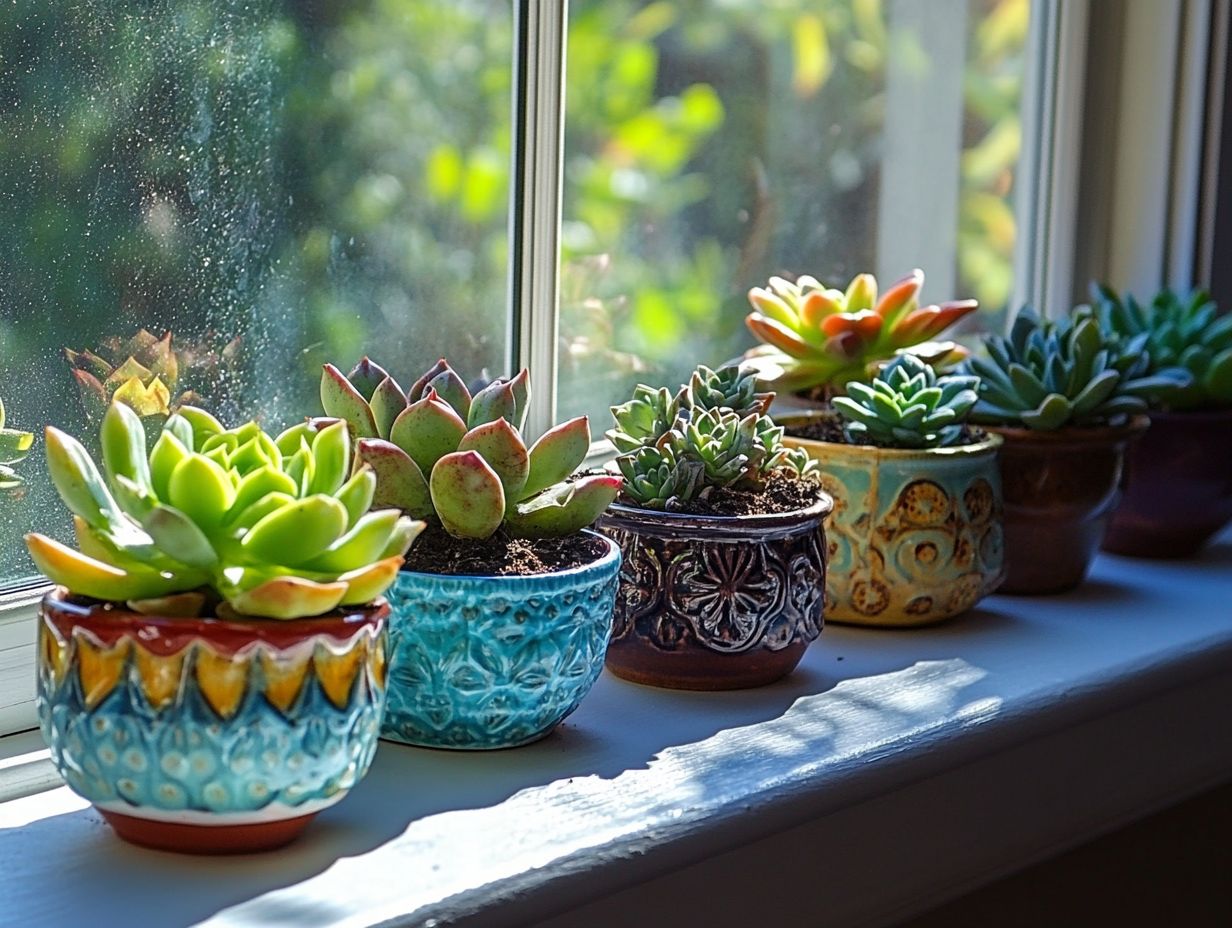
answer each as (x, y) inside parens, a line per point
(208, 735)
(495, 662)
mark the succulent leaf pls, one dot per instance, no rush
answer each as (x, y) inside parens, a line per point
(467, 495)
(399, 481)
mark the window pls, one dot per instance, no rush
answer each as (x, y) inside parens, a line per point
(278, 183)
(712, 144)
(274, 183)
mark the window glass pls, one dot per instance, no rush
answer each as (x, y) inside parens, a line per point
(711, 144)
(276, 184)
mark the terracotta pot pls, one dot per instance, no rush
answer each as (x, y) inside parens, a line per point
(715, 602)
(1060, 488)
(1177, 486)
(916, 535)
(205, 735)
(495, 662)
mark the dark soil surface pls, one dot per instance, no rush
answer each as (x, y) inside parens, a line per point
(438, 552)
(829, 427)
(784, 492)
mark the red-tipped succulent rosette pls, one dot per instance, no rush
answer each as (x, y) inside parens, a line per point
(818, 337)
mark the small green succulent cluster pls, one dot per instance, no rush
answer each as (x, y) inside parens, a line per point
(439, 451)
(908, 406)
(274, 527)
(1054, 373)
(1181, 331)
(714, 432)
(14, 446)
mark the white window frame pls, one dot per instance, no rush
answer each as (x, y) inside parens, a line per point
(1159, 223)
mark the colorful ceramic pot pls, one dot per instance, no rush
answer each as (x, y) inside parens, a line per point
(495, 662)
(1060, 488)
(1176, 487)
(715, 602)
(915, 536)
(207, 735)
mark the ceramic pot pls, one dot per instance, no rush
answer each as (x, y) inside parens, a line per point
(1176, 487)
(715, 602)
(207, 735)
(1060, 488)
(495, 662)
(915, 536)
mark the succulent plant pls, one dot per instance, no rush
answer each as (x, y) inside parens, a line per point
(714, 432)
(819, 337)
(1070, 371)
(143, 372)
(272, 527)
(14, 446)
(1181, 331)
(907, 405)
(440, 452)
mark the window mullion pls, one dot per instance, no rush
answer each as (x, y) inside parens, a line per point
(536, 199)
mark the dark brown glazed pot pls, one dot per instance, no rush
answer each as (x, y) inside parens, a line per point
(715, 602)
(1060, 488)
(1177, 486)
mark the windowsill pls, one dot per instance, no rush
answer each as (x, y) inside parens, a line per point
(893, 770)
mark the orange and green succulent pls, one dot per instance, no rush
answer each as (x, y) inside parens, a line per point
(818, 338)
(143, 372)
(221, 520)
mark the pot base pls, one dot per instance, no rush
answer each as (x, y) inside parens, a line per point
(697, 669)
(184, 838)
(394, 738)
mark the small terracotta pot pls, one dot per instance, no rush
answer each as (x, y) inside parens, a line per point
(715, 602)
(1060, 488)
(208, 735)
(1177, 486)
(916, 536)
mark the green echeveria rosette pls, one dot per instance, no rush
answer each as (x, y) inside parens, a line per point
(14, 446)
(908, 406)
(439, 452)
(713, 433)
(1052, 374)
(271, 527)
(1182, 331)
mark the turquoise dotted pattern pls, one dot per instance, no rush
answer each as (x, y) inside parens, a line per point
(495, 662)
(186, 757)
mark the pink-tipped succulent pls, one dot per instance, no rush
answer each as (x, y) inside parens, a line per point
(816, 337)
(439, 451)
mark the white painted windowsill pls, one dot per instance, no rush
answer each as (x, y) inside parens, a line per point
(892, 771)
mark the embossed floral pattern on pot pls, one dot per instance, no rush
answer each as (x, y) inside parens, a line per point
(495, 662)
(236, 732)
(739, 599)
(915, 536)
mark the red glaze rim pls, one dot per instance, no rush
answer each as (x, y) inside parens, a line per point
(165, 635)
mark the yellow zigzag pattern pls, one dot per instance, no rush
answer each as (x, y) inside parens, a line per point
(222, 679)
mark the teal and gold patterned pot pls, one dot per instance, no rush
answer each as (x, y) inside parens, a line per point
(495, 662)
(915, 536)
(208, 735)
